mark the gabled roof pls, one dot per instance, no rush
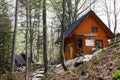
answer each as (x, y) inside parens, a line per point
(20, 60)
(79, 21)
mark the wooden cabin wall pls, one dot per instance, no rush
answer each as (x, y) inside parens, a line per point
(85, 28)
(69, 41)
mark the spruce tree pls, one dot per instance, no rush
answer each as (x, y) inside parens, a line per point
(5, 35)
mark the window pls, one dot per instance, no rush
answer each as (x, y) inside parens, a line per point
(94, 29)
(89, 42)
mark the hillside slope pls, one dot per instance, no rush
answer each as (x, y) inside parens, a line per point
(100, 67)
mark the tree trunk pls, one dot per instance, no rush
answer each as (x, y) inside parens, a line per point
(75, 11)
(45, 37)
(62, 59)
(108, 14)
(38, 40)
(14, 39)
(26, 77)
(31, 34)
(69, 5)
(115, 17)
(3, 62)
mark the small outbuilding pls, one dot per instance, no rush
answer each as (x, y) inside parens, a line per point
(19, 60)
(85, 35)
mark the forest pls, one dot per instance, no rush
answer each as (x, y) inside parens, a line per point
(32, 40)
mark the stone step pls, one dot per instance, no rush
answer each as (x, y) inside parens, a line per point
(40, 72)
(39, 75)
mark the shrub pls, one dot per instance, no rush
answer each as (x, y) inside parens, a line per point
(99, 55)
(116, 75)
(71, 73)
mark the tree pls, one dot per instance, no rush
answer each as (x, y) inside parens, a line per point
(5, 35)
(112, 13)
(45, 37)
(26, 78)
(69, 11)
(31, 31)
(74, 9)
(108, 13)
(34, 24)
(116, 13)
(62, 59)
(14, 38)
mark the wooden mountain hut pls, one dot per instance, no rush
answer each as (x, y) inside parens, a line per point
(86, 34)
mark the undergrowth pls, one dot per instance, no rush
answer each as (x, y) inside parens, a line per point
(116, 75)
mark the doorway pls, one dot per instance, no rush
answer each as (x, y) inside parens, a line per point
(80, 47)
(99, 44)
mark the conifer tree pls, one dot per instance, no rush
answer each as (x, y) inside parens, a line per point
(5, 35)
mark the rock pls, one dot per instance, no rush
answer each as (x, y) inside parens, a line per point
(87, 57)
(100, 78)
(78, 63)
(41, 72)
(39, 75)
(83, 73)
(118, 68)
(95, 63)
(110, 69)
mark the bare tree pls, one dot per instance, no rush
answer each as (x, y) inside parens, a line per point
(62, 59)
(92, 7)
(14, 39)
(108, 12)
(91, 3)
(112, 12)
(45, 37)
(73, 10)
(70, 13)
(116, 13)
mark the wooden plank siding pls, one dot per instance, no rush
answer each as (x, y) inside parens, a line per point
(83, 32)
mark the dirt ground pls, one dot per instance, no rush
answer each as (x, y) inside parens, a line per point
(17, 76)
(100, 67)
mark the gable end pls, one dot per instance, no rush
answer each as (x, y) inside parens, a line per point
(73, 27)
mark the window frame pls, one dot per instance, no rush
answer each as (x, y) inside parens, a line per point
(94, 29)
